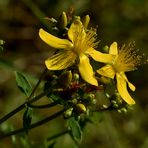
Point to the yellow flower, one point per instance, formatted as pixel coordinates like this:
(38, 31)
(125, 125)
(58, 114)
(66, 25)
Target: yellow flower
(80, 45)
(126, 59)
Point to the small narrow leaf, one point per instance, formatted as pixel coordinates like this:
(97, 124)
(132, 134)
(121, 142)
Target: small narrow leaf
(57, 99)
(23, 84)
(27, 117)
(75, 129)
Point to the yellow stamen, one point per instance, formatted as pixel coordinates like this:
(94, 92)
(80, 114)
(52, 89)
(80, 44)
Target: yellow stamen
(127, 59)
(84, 40)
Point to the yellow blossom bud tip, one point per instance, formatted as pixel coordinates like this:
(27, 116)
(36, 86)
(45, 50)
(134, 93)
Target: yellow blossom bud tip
(85, 20)
(80, 108)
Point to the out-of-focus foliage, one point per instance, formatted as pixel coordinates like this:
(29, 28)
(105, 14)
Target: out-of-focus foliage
(121, 21)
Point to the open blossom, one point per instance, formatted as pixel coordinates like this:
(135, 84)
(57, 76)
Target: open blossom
(79, 45)
(126, 60)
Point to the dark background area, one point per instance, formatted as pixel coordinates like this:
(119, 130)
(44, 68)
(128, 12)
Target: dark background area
(122, 21)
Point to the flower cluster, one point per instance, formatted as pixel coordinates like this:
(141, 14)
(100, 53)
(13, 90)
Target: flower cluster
(77, 48)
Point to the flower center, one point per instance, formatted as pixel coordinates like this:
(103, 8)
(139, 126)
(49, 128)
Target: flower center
(84, 40)
(127, 59)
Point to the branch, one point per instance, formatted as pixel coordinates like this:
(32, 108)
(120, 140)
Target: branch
(28, 99)
(33, 125)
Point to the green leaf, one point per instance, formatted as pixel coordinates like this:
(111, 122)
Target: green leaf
(76, 132)
(57, 99)
(27, 117)
(23, 84)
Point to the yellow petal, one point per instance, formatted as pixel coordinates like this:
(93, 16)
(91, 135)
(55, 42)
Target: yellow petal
(107, 71)
(60, 60)
(86, 70)
(122, 89)
(76, 30)
(54, 41)
(99, 56)
(113, 49)
(130, 85)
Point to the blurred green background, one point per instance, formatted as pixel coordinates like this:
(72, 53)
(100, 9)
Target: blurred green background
(121, 21)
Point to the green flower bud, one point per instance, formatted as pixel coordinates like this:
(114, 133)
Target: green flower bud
(113, 102)
(65, 79)
(85, 20)
(106, 48)
(73, 101)
(76, 77)
(68, 112)
(119, 111)
(123, 110)
(80, 108)
(89, 98)
(115, 105)
(91, 95)
(118, 98)
(2, 42)
(62, 22)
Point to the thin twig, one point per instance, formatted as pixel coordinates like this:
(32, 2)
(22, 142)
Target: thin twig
(39, 81)
(33, 125)
(43, 106)
(28, 100)
(22, 106)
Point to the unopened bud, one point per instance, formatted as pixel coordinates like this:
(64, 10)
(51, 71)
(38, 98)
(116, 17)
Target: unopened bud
(2, 42)
(73, 101)
(123, 110)
(106, 48)
(113, 102)
(62, 22)
(76, 77)
(118, 98)
(65, 79)
(91, 95)
(68, 112)
(80, 108)
(115, 105)
(85, 21)
(89, 98)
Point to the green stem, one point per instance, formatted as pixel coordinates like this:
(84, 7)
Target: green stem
(33, 125)
(28, 100)
(21, 107)
(57, 135)
(42, 106)
(39, 81)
